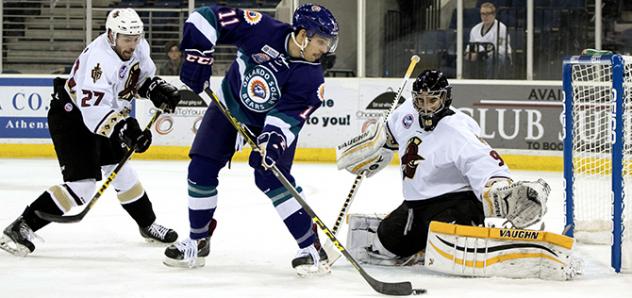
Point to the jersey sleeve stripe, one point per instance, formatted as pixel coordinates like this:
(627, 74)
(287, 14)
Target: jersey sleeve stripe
(106, 125)
(283, 126)
(205, 22)
(241, 62)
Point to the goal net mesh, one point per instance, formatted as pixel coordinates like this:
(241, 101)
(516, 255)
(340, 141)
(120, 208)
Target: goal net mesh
(592, 153)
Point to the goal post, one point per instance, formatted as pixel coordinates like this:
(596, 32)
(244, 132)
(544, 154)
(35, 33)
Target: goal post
(598, 152)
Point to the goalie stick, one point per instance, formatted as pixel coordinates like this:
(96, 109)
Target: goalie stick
(359, 178)
(398, 288)
(79, 216)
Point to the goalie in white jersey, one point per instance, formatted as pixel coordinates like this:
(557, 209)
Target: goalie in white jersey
(90, 126)
(449, 174)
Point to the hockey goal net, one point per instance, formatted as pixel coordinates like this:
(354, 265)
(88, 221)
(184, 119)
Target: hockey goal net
(598, 152)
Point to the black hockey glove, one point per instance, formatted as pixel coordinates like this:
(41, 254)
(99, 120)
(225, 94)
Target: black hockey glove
(272, 145)
(128, 132)
(160, 92)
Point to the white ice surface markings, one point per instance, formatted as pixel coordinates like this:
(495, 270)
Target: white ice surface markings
(104, 255)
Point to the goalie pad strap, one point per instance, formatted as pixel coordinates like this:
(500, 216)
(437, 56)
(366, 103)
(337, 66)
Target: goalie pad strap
(479, 251)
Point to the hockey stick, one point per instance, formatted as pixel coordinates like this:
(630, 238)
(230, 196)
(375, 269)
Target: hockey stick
(399, 288)
(360, 177)
(79, 216)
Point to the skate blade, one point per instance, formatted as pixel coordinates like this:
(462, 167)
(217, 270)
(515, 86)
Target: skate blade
(154, 242)
(307, 271)
(199, 262)
(13, 248)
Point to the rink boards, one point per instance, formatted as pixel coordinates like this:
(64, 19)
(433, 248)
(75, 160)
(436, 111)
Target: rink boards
(520, 118)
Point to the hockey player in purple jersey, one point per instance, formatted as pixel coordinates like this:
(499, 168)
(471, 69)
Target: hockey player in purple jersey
(273, 86)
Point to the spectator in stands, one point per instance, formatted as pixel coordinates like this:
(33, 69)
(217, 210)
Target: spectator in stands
(172, 66)
(489, 40)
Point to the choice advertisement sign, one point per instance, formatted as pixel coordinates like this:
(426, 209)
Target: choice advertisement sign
(512, 114)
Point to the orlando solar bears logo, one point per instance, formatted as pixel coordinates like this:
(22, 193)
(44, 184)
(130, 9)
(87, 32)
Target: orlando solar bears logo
(260, 91)
(252, 17)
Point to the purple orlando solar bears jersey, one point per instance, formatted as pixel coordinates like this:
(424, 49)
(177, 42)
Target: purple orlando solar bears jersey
(264, 88)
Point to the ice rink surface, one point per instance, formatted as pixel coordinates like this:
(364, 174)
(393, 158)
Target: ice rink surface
(251, 250)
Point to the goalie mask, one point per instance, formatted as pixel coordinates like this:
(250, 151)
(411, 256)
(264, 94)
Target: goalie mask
(432, 97)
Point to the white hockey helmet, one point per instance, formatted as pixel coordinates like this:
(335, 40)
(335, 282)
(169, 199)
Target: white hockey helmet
(123, 21)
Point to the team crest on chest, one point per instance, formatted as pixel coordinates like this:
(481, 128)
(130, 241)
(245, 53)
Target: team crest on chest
(411, 158)
(96, 73)
(252, 17)
(260, 91)
(129, 89)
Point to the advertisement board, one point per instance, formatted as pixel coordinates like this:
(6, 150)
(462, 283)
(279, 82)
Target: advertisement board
(24, 103)
(512, 114)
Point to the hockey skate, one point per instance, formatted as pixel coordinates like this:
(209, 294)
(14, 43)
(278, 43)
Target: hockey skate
(158, 233)
(190, 253)
(311, 261)
(17, 238)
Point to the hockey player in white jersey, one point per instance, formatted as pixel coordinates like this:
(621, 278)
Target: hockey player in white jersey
(90, 126)
(450, 175)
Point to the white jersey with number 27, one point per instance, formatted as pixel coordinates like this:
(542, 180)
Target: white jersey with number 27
(102, 85)
(451, 158)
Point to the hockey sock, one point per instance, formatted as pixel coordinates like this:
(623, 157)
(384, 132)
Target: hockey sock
(295, 218)
(43, 203)
(141, 211)
(202, 205)
(202, 190)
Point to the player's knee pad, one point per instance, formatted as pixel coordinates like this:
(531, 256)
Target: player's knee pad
(71, 194)
(265, 179)
(128, 187)
(126, 178)
(204, 171)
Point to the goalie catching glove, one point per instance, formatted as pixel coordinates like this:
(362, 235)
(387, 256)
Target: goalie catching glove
(160, 93)
(522, 203)
(365, 154)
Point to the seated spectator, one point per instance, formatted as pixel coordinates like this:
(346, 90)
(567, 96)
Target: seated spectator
(489, 39)
(172, 66)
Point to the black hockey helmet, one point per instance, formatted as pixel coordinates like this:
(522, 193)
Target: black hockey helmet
(432, 96)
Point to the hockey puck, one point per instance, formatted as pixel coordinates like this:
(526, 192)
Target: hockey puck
(419, 291)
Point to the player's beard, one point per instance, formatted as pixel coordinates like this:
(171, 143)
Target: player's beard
(127, 54)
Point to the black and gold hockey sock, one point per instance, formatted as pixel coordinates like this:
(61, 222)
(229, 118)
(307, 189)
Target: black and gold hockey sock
(141, 211)
(43, 203)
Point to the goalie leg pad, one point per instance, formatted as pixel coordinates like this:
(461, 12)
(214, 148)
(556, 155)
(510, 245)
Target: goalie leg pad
(364, 245)
(485, 252)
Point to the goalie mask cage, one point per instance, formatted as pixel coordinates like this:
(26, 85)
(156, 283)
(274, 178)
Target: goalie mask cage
(598, 152)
